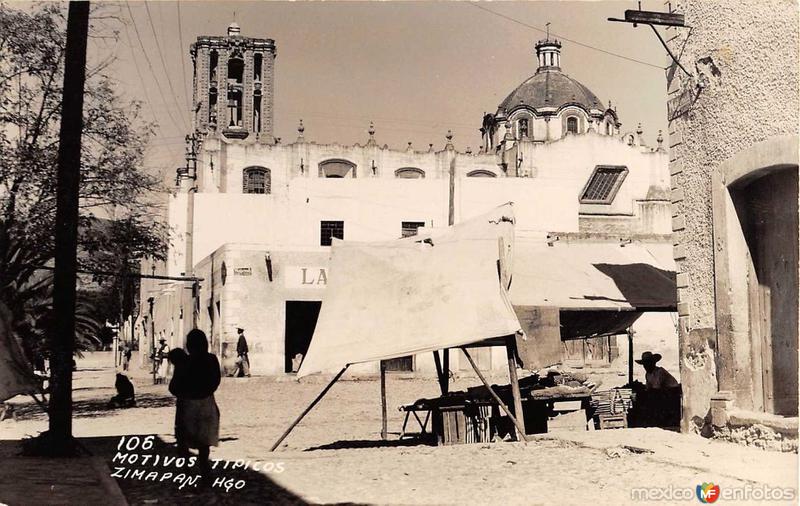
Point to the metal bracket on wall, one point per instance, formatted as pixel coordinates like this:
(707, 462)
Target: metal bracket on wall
(652, 18)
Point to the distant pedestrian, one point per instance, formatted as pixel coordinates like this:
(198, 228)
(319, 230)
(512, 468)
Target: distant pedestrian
(126, 357)
(160, 361)
(242, 358)
(195, 379)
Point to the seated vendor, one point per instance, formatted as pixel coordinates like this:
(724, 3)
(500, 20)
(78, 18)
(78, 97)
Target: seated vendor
(657, 378)
(658, 402)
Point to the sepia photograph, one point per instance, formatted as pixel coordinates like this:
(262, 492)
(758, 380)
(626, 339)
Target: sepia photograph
(399, 252)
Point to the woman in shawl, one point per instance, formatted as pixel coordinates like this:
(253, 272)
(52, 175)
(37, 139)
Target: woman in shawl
(194, 382)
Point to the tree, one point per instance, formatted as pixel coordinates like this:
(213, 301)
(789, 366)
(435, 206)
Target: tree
(113, 181)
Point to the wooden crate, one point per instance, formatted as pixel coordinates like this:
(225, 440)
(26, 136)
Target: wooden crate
(462, 425)
(573, 420)
(619, 421)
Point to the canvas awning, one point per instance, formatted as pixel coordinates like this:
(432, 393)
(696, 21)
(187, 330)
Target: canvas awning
(590, 276)
(438, 290)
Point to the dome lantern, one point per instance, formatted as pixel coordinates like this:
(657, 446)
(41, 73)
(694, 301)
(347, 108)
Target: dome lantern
(548, 53)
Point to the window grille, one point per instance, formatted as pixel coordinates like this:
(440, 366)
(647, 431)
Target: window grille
(330, 229)
(604, 184)
(256, 180)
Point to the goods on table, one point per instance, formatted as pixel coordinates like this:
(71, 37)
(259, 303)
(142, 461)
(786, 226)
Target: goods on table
(611, 407)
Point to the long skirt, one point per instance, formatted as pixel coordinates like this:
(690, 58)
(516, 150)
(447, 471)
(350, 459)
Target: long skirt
(197, 422)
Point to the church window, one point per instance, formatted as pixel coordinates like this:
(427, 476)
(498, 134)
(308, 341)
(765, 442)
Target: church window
(337, 169)
(257, 59)
(604, 184)
(256, 180)
(481, 173)
(572, 125)
(409, 173)
(328, 230)
(257, 111)
(409, 228)
(608, 128)
(522, 126)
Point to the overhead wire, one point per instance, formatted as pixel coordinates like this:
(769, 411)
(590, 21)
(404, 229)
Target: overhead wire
(183, 60)
(150, 66)
(163, 63)
(578, 43)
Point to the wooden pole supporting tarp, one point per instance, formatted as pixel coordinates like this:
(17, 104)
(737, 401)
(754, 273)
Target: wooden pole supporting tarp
(630, 356)
(309, 408)
(511, 353)
(437, 360)
(520, 428)
(445, 371)
(384, 422)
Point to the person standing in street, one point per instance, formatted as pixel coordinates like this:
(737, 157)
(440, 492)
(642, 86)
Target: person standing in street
(242, 360)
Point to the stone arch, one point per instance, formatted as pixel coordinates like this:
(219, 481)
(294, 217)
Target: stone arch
(755, 241)
(481, 173)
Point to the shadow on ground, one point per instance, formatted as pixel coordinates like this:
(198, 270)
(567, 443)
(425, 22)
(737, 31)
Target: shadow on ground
(355, 444)
(91, 408)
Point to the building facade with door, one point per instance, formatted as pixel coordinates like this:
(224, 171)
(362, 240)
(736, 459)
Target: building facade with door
(734, 167)
(260, 215)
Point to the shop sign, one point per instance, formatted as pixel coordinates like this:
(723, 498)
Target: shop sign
(242, 271)
(306, 277)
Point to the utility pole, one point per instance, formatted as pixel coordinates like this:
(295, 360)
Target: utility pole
(62, 339)
(189, 173)
(150, 302)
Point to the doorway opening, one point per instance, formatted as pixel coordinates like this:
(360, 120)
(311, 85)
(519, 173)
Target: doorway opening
(767, 210)
(301, 320)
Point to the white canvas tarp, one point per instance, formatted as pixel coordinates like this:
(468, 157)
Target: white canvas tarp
(391, 299)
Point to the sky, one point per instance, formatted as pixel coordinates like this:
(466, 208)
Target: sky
(416, 69)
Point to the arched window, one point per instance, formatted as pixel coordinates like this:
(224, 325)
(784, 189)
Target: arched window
(409, 173)
(337, 168)
(522, 128)
(256, 180)
(572, 125)
(608, 128)
(481, 173)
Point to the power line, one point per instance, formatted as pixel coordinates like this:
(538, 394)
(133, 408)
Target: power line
(163, 63)
(141, 78)
(588, 46)
(150, 65)
(183, 59)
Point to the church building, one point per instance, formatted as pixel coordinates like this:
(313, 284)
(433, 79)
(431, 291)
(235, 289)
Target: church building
(254, 217)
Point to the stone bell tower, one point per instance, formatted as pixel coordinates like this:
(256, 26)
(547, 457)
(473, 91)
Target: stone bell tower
(234, 80)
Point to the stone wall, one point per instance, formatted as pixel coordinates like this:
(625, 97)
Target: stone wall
(743, 89)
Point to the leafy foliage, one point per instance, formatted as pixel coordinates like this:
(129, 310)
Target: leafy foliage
(113, 182)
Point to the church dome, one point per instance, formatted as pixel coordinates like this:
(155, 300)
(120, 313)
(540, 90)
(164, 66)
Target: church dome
(549, 87)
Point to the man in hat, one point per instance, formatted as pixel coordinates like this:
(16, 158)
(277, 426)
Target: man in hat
(657, 378)
(160, 361)
(242, 362)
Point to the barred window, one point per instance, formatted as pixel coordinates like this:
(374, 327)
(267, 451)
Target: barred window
(330, 229)
(572, 125)
(604, 184)
(409, 228)
(256, 180)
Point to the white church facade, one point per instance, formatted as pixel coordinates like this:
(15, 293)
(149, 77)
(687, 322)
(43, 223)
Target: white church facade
(257, 218)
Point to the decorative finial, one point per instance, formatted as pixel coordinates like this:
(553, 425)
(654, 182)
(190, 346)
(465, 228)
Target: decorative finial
(609, 104)
(469, 150)
(660, 139)
(639, 129)
(449, 135)
(409, 148)
(371, 130)
(300, 127)
(548, 29)
(430, 148)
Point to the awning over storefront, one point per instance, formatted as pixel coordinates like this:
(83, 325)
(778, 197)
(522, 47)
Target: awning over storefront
(590, 277)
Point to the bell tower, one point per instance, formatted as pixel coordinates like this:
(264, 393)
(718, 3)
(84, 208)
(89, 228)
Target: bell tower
(234, 80)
